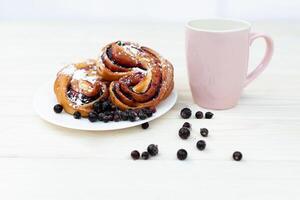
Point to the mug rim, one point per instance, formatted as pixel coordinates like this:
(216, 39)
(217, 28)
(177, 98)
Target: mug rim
(246, 24)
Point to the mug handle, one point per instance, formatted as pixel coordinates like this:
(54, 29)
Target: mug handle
(266, 59)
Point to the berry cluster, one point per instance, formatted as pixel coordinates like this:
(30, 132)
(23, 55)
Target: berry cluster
(152, 150)
(186, 113)
(184, 133)
(106, 111)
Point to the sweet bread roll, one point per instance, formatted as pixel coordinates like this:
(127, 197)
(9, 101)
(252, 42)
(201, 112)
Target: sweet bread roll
(140, 76)
(78, 86)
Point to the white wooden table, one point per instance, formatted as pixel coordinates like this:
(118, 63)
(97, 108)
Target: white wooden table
(41, 161)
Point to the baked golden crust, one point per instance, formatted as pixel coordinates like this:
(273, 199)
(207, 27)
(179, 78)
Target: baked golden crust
(140, 76)
(78, 86)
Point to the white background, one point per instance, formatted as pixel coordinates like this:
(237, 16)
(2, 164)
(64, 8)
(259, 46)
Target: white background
(154, 10)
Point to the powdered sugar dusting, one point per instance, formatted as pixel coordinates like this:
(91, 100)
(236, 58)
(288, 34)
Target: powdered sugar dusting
(76, 100)
(82, 74)
(68, 70)
(131, 49)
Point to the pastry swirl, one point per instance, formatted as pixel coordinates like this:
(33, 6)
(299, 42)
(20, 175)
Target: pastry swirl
(140, 76)
(78, 86)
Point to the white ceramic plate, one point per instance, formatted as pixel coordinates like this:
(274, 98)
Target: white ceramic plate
(45, 99)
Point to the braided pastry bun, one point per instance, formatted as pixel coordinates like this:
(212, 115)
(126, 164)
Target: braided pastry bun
(140, 77)
(78, 86)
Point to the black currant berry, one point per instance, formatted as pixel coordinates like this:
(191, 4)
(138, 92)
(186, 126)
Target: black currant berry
(152, 149)
(148, 112)
(142, 115)
(77, 115)
(93, 116)
(132, 115)
(186, 125)
(145, 155)
(184, 133)
(201, 145)
(182, 154)
(135, 155)
(117, 116)
(204, 132)
(106, 106)
(97, 107)
(199, 115)
(237, 156)
(101, 116)
(185, 113)
(145, 125)
(58, 108)
(124, 115)
(106, 118)
(209, 115)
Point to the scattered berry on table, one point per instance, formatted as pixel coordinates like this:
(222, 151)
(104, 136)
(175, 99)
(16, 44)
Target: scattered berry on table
(58, 108)
(145, 125)
(92, 116)
(185, 113)
(182, 154)
(152, 149)
(135, 155)
(237, 156)
(209, 115)
(145, 155)
(186, 125)
(201, 145)
(199, 115)
(77, 115)
(204, 132)
(184, 133)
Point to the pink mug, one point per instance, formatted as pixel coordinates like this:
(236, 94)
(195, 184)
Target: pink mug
(217, 52)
